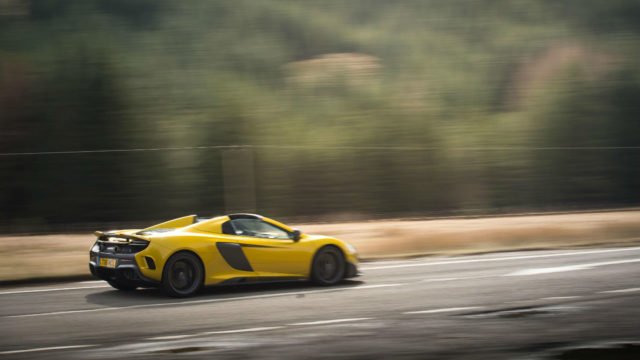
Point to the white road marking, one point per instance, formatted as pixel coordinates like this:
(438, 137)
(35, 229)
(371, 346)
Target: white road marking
(168, 337)
(620, 291)
(218, 332)
(51, 289)
(434, 311)
(45, 349)
(324, 322)
(458, 278)
(442, 279)
(547, 270)
(384, 262)
(560, 297)
(73, 311)
(241, 330)
(364, 268)
(204, 301)
(363, 287)
(537, 271)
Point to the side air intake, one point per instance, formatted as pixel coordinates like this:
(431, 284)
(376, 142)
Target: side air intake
(150, 263)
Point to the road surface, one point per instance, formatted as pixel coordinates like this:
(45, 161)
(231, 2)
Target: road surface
(560, 304)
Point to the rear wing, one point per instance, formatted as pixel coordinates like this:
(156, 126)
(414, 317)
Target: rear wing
(175, 223)
(109, 236)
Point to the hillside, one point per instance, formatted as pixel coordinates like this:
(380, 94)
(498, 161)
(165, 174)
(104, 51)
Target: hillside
(367, 107)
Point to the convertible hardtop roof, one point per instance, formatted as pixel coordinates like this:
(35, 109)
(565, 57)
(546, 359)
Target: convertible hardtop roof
(244, 216)
(197, 219)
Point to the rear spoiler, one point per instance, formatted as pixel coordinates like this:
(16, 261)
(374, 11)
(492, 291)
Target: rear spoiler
(105, 236)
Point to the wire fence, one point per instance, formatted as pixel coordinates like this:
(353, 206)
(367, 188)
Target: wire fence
(51, 191)
(305, 147)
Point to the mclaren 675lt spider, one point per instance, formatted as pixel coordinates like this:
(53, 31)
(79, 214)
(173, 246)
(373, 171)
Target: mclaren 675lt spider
(182, 255)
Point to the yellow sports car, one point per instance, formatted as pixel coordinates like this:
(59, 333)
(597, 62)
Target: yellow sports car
(186, 253)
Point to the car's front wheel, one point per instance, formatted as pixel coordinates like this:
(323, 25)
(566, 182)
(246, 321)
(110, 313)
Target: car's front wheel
(328, 266)
(182, 275)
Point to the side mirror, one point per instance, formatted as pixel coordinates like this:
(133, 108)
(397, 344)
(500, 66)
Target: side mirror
(296, 234)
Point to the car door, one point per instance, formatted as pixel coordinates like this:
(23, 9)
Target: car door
(270, 249)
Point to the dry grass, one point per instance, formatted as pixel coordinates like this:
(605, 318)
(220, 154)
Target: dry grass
(24, 257)
(454, 236)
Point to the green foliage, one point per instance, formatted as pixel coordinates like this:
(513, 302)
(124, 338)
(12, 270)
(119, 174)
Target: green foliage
(501, 97)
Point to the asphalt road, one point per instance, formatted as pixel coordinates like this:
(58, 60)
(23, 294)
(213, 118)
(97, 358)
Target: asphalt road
(519, 305)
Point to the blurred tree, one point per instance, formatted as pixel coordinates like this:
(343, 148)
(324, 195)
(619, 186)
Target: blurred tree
(379, 108)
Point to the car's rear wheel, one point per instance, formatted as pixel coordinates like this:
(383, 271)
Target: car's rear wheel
(121, 285)
(182, 275)
(328, 266)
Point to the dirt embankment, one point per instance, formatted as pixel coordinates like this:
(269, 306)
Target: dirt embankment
(42, 256)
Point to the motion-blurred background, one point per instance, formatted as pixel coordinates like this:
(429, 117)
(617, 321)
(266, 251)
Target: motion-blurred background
(343, 109)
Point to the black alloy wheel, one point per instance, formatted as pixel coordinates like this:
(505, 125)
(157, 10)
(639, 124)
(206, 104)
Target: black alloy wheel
(182, 275)
(328, 266)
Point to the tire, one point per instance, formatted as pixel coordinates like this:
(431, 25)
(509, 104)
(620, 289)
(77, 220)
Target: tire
(328, 266)
(121, 285)
(182, 275)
